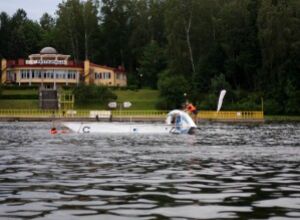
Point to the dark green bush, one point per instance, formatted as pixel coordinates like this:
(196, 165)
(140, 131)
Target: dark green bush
(90, 93)
(132, 87)
(172, 89)
(273, 107)
(218, 83)
(65, 87)
(208, 102)
(233, 100)
(20, 96)
(21, 87)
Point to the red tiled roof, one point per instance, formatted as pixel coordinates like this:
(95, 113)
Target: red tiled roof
(101, 66)
(117, 70)
(71, 64)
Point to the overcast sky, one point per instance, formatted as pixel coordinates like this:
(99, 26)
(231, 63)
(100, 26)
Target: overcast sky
(34, 8)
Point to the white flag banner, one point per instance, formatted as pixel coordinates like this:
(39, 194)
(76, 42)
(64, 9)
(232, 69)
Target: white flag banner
(221, 97)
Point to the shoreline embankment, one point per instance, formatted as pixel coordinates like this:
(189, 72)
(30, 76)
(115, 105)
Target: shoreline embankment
(266, 119)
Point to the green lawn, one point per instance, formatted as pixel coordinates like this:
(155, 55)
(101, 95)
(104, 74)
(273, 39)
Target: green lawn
(19, 103)
(144, 99)
(142, 94)
(89, 106)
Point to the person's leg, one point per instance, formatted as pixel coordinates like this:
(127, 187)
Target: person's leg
(195, 116)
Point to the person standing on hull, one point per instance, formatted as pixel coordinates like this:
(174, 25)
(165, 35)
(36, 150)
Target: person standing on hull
(192, 110)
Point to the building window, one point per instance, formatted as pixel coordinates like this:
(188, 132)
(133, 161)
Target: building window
(49, 74)
(23, 74)
(10, 76)
(98, 75)
(71, 74)
(106, 75)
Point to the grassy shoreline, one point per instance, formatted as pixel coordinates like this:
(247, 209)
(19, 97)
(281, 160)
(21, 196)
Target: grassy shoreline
(282, 118)
(144, 99)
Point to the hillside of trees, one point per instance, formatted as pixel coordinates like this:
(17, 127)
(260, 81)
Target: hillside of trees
(193, 47)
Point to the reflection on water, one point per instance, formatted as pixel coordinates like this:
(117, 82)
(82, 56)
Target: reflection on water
(225, 171)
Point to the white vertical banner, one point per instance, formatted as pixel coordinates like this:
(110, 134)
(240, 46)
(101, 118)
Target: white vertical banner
(221, 97)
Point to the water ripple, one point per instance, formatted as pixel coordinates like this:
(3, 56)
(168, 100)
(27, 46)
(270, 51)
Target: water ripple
(223, 172)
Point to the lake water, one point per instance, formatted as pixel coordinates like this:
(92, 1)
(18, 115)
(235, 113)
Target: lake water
(226, 171)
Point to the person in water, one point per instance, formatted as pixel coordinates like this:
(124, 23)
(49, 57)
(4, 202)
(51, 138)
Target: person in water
(191, 109)
(53, 130)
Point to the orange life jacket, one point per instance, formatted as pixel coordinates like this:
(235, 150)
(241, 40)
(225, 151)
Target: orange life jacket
(191, 107)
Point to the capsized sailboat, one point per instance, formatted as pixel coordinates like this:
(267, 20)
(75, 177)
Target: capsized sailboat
(177, 122)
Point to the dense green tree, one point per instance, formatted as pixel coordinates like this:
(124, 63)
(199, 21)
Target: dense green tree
(279, 35)
(152, 62)
(240, 43)
(249, 46)
(70, 28)
(172, 89)
(48, 25)
(77, 26)
(100, 94)
(47, 22)
(178, 25)
(90, 18)
(20, 35)
(292, 105)
(115, 17)
(209, 66)
(4, 35)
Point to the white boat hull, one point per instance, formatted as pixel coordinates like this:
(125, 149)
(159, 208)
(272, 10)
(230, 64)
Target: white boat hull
(177, 122)
(119, 128)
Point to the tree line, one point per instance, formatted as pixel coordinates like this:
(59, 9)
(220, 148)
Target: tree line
(188, 49)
